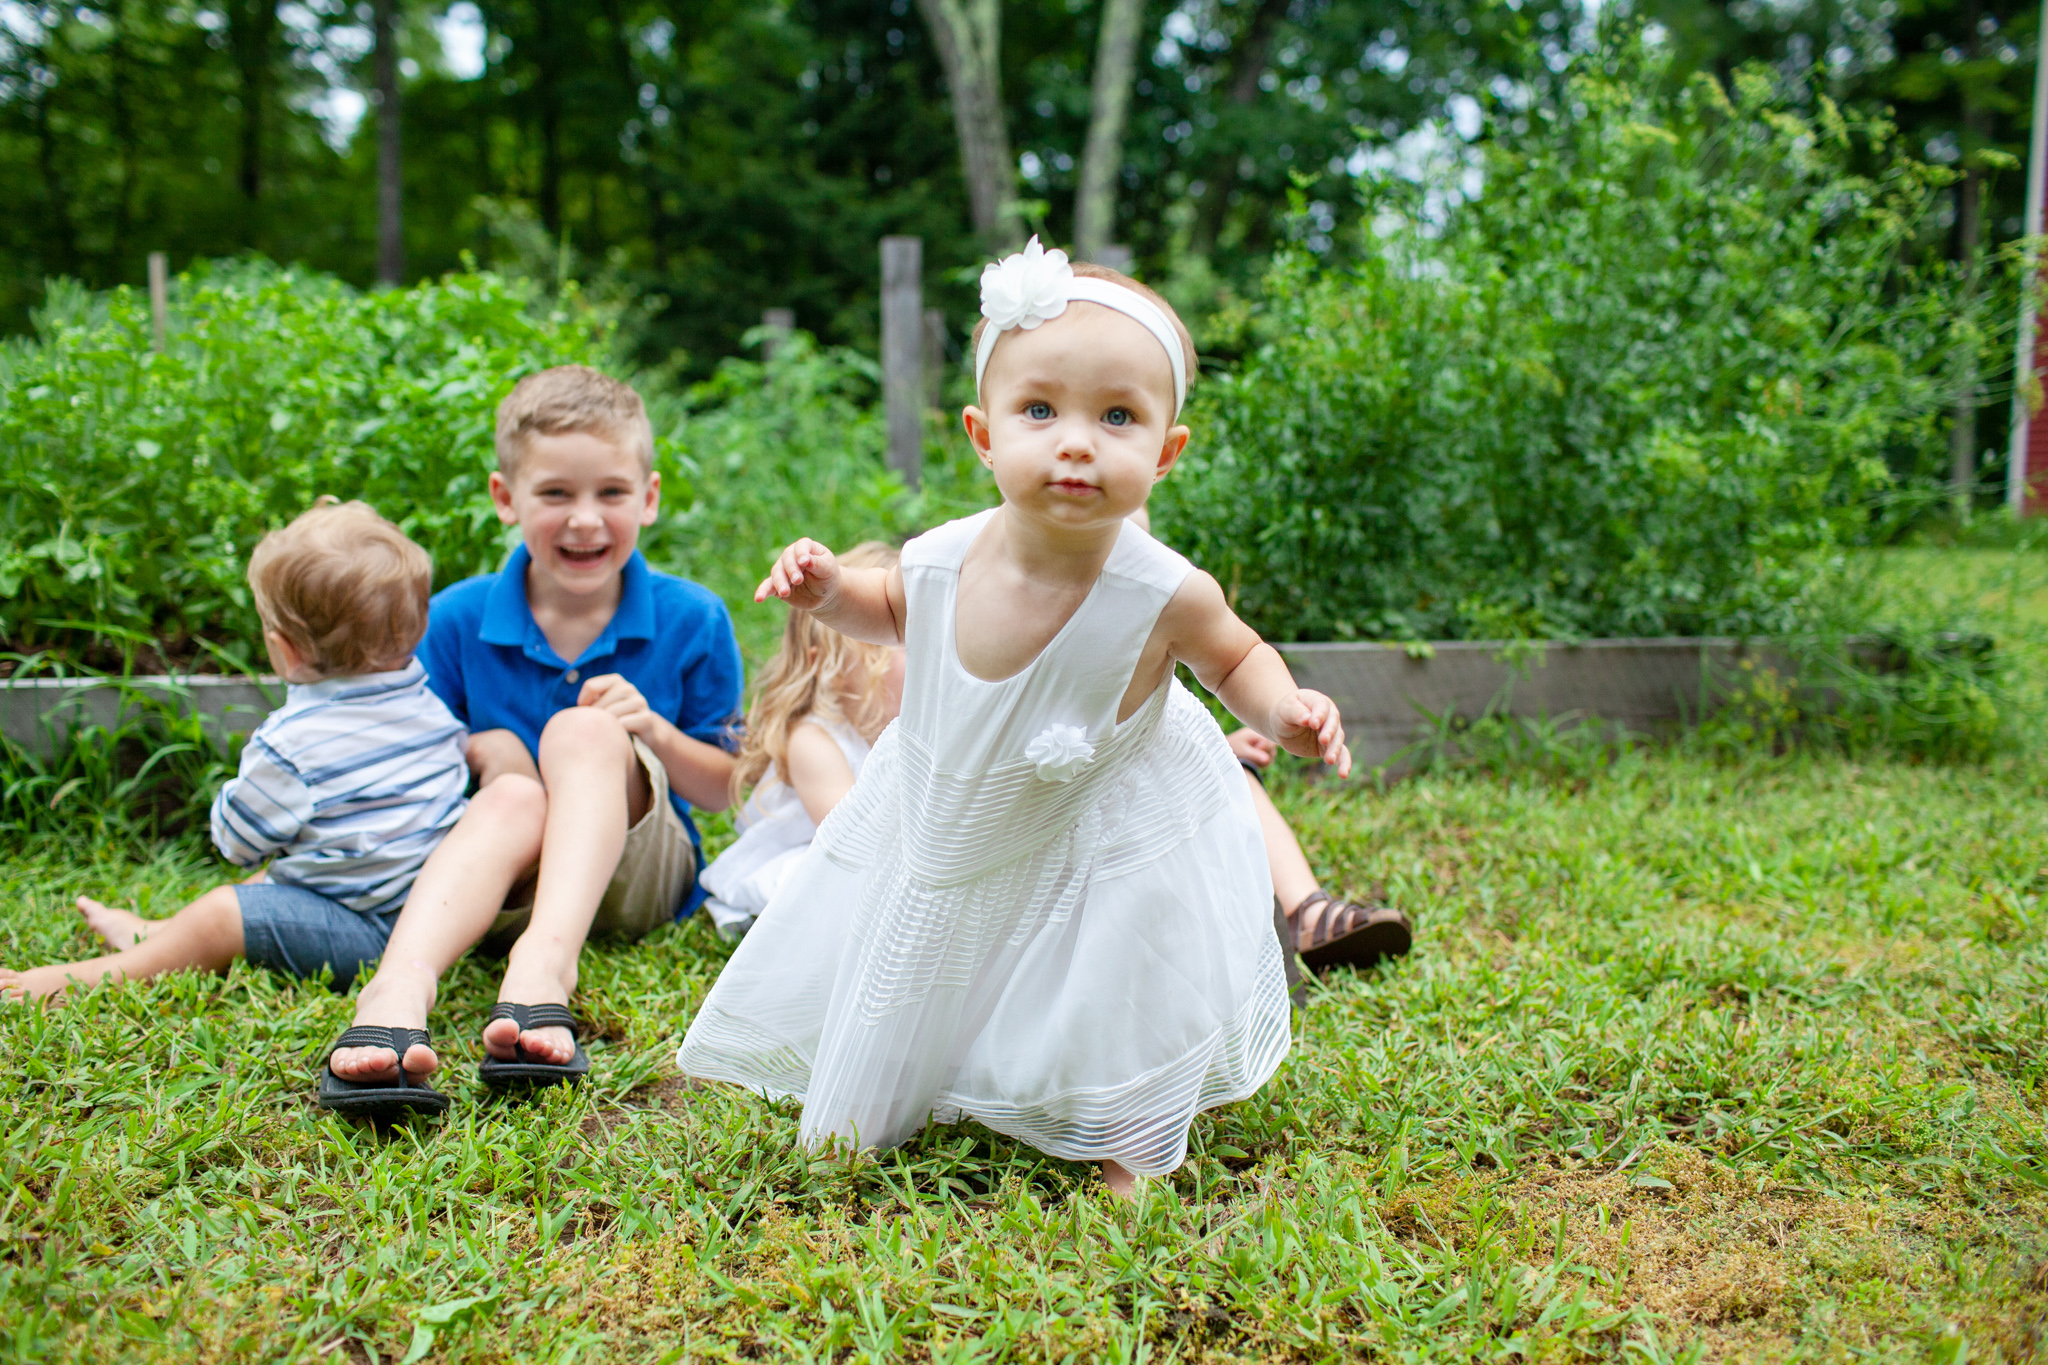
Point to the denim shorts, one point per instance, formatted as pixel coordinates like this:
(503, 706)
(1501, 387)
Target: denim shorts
(293, 930)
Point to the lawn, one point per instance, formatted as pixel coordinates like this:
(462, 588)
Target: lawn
(1748, 1060)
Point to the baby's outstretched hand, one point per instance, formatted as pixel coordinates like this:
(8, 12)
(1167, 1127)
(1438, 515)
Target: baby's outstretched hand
(1308, 723)
(804, 576)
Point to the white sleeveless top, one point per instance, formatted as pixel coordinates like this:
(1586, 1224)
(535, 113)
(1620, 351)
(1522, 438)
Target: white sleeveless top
(773, 829)
(1024, 911)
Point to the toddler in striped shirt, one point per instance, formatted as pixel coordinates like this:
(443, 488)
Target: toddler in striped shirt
(345, 790)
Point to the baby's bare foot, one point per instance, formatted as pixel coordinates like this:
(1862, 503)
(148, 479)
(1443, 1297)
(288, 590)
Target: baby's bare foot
(1122, 1182)
(42, 983)
(122, 929)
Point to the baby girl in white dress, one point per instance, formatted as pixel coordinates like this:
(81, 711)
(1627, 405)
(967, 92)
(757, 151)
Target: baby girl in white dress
(818, 707)
(1045, 903)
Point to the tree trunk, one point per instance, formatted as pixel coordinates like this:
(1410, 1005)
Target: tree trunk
(64, 234)
(1254, 46)
(548, 95)
(1116, 50)
(129, 155)
(252, 37)
(659, 226)
(968, 34)
(390, 166)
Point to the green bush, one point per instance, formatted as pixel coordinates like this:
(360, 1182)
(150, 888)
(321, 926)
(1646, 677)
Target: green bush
(1679, 346)
(134, 484)
(763, 453)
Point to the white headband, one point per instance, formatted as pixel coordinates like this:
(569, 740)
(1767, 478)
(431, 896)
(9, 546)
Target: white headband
(1036, 285)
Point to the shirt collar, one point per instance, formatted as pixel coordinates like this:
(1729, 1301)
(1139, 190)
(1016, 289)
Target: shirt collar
(348, 685)
(508, 620)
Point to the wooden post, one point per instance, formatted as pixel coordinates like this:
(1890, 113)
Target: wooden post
(780, 322)
(935, 357)
(159, 297)
(903, 353)
(2025, 363)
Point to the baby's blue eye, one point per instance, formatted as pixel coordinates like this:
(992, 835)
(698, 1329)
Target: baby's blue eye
(1038, 412)
(1118, 417)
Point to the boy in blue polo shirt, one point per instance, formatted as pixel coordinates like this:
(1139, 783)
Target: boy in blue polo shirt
(612, 686)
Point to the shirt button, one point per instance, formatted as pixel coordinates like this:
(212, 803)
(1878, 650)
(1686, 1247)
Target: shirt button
(571, 675)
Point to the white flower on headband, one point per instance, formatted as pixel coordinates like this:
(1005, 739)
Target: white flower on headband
(1060, 751)
(1025, 289)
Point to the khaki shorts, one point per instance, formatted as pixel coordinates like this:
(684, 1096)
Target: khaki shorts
(656, 871)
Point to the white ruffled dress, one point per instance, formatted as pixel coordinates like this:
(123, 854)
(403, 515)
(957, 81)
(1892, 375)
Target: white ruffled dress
(774, 830)
(1024, 912)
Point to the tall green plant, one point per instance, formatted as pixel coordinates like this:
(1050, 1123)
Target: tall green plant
(1678, 346)
(134, 483)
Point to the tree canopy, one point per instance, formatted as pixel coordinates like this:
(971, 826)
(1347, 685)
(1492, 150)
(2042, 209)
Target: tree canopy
(721, 158)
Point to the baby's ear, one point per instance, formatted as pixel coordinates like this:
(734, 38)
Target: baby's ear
(1169, 453)
(976, 422)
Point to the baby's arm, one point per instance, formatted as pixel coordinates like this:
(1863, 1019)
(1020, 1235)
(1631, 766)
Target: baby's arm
(866, 604)
(1249, 676)
(262, 808)
(818, 772)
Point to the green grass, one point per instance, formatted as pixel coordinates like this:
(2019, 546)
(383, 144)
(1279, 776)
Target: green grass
(1736, 1060)
(1992, 584)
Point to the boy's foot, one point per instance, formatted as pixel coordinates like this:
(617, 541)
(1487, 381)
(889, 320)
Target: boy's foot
(1123, 1182)
(528, 985)
(393, 999)
(41, 983)
(122, 929)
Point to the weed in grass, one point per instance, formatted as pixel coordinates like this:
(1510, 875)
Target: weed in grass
(1700, 1060)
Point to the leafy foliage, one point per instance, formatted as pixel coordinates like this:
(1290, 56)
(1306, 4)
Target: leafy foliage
(1678, 348)
(133, 484)
(763, 453)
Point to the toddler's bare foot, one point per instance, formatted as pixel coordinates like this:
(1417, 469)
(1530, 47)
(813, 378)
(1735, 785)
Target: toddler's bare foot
(122, 929)
(530, 980)
(395, 997)
(42, 983)
(1122, 1183)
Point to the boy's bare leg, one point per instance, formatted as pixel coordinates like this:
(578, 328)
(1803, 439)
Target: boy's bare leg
(596, 792)
(1293, 880)
(207, 933)
(451, 906)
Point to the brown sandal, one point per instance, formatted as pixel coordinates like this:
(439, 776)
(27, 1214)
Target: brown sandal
(1290, 961)
(1348, 935)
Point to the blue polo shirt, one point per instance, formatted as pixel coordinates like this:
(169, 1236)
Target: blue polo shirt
(487, 659)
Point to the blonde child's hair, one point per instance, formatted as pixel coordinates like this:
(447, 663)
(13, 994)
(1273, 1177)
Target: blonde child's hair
(345, 586)
(1088, 270)
(802, 682)
(572, 398)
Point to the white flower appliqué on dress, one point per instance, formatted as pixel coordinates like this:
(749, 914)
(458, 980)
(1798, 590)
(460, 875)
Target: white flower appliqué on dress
(1060, 751)
(1025, 289)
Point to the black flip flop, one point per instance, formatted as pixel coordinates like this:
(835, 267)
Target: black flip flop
(379, 1098)
(499, 1074)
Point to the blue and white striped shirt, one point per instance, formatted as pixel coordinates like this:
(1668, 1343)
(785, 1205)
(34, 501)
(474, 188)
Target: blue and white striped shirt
(348, 787)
